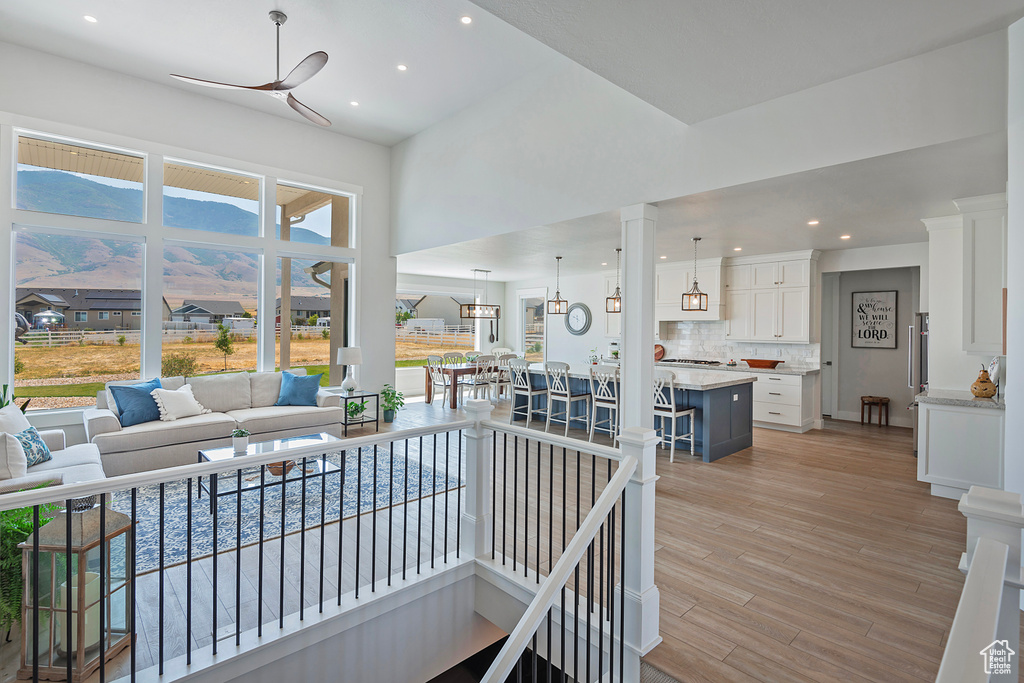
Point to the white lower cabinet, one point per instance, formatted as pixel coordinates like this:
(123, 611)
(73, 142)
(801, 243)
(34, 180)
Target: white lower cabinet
(784, 402)
(959, 447)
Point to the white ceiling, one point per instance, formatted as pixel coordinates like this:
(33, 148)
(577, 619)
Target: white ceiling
(695, 59)
(451, 65)
(878, 202)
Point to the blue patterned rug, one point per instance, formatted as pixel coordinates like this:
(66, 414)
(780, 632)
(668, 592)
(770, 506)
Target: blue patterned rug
(414, 480)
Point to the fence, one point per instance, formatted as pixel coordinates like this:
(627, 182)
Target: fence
(452, 335)
(172, 332)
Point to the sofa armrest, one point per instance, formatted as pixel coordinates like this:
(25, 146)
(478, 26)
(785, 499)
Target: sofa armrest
(326, 398)
(31, 481)
(54, 439)
(99, 421)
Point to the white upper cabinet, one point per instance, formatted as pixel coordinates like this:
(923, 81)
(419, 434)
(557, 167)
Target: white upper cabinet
(737, 277)
(795, 273)
(764, 275)
(768, 298)
(672, 279)
(737, 314)
(794, 314)
(763, 310)
(984, 272)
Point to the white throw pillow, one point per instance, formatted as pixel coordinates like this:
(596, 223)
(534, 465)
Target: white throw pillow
(177, 404)
(12, 420)
(13, 462)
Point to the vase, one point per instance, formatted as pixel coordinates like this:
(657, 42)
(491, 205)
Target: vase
(983, 387)
(240, 443)
(389, 415)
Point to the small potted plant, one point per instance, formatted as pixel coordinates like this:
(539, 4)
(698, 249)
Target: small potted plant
(615, 355)
(390, 400)
(240, 440)
(593, 357)
(355, 411)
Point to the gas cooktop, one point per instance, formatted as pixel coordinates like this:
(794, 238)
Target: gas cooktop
(690, 361)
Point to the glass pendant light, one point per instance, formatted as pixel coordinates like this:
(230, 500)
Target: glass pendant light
(558, 305)
(695, 300)
(613, 304)
(481, 311)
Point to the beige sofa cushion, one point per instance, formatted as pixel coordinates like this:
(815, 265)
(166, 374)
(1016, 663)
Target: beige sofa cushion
(165, 382)
(158, 433)
(13, 420)
(13, 462)
(266, 387)
(280, 418)
(221, 393)
(75, 464)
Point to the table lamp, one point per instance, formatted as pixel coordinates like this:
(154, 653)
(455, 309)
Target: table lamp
(349, 356)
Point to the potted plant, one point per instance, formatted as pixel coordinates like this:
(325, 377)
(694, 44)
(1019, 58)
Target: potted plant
(594, 357)
(7, 398)
(240, 440)
(15, 527)
(390, 400)
(355, 411)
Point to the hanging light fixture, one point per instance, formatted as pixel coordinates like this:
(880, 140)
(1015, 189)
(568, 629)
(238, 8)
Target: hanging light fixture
(613, 304)
(481, 311)
(695, 300)
(558, 305)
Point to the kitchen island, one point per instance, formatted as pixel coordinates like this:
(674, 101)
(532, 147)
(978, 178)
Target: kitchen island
(723, 401)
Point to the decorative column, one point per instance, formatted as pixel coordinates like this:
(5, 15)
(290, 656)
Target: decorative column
(152, 303)
(476, 516)
(637, 348)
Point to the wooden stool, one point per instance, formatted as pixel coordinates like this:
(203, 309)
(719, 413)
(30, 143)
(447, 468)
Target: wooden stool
(870, 401)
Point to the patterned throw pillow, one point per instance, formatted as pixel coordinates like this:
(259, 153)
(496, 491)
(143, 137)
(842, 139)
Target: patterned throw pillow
(36, 451)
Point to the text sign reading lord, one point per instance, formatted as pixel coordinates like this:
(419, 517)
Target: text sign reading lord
(874, 320)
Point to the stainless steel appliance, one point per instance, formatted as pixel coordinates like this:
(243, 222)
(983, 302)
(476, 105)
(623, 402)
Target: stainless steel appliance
(917, 364)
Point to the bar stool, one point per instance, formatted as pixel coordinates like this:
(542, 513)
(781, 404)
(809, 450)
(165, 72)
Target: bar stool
(604, 388)
(665, 406)
(557, 376)
(870, 402)
(519, 370)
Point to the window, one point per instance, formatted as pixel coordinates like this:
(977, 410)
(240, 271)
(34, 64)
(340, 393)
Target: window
(103, 315)
(304, 287)
(202, 198)
(117, 313)
(429, 325)
(136, 314)
(55, 273)
(531, 315)
(312, 217)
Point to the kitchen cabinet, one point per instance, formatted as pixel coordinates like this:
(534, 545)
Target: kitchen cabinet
(737, 314)
(961, 442)
(764, 305)
(984, 258)
(672, 279)
(768, 298)
(737, 277)
(784, 402)
(764, 275)
(794, 309)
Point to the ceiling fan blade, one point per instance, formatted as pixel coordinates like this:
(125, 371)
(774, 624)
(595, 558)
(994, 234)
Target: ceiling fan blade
(226, 86)
(306, 111)
(305, 70)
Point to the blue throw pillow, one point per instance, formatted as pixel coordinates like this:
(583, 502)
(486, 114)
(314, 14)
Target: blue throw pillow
(298, 390)
(135, 402)
(35, 448)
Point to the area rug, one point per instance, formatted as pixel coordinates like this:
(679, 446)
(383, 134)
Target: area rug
(395, 484)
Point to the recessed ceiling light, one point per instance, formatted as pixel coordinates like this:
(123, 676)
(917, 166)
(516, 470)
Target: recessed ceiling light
(467, 20)
(737, 248)
(664, 257)
(604, 264)
(402, 67)
(812, 222)
(354, 103)
(91, 20)
(844, 237)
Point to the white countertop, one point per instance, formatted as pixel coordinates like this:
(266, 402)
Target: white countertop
(963, 399)
(686, 378)
(782, 369)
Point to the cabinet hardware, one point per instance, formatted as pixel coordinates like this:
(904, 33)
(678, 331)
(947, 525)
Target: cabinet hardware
(771, 413)
(774, 393)
(775, 379)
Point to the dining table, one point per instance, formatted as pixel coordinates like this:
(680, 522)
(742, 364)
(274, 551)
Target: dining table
(453, 372)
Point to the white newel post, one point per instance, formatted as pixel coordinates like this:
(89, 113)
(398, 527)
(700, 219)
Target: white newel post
(476, 516)
(637, 347)
(998, 515)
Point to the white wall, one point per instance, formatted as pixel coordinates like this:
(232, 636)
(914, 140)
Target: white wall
(875, 372)
(70, 98)
(913, 255)
(1014, 451)
(563, 142)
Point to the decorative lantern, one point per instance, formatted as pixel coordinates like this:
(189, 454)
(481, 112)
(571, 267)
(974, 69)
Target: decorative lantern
(695, 300)
(558, 305)
(78, 601)
(480, 311)
(613, 303)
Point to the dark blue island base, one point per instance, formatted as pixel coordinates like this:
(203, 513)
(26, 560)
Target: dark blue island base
(724, 416)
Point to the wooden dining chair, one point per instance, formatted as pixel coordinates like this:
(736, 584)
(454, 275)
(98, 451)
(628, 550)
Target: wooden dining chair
(454, 357)
(503, 376)
(559, 389)
(437, 377)
(482, 379)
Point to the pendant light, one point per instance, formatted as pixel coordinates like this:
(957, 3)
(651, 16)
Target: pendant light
(695, 300)
(481, 311)
(613, 304)
(558, 305)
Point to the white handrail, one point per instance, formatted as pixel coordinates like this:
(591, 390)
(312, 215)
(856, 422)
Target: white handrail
(10, 501)
(518, 640)
(555, 440)
(977, 615)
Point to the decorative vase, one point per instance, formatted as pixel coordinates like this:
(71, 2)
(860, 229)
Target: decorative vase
(389, 415)
(984, 387)
(240, 443)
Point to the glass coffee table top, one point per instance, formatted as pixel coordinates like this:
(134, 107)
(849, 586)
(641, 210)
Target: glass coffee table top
(282, 446)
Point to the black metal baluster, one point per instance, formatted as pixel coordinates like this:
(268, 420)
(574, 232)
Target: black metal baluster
(458, 504)
(533, 648)
(341, 522)
(134, 567)
(538, 511)
(160, 576)
(259, 578)
(69, 572)
(433, 504)
(590, 598)
(550, 671)
(302, 545)
(238, 560)
(405, 511)
(600, 608)
(551, 510)
(280, 598)
(105, 584)
(188, 567)
(526, 509)
(35, 593)
(504, 500)
(323, 520)
(419, 511)
(515, 501)
(565, 479)
(444, 488)
(494, 494)
(622, 591)
(373, 527)
(576, 589)
(391, 503)
(359, 510)
(611, 592)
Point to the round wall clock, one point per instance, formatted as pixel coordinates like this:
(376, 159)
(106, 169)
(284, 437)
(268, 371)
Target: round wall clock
(577, 320)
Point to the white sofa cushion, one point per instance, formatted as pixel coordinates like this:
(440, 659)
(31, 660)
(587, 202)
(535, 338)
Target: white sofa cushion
(13, 421)
(171, 383)
(280, 418)
(154, 434)
(75, 464)
(266, 387)
(174, 405)
(221, 393)
(13, 463)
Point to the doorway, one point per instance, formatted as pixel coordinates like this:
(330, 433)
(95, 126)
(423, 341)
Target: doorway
(829, 344)
(532, 337)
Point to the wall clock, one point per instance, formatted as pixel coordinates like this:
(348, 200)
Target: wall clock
(577, 320)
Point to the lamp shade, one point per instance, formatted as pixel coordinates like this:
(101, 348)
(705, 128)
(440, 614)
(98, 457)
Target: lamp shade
(350, 355)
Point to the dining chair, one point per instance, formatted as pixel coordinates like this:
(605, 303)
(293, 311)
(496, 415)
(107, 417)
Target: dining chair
(557, 376)
(666, 406)
(502, 376)
(604, 387)
(454, 357)
(482, 379)
(519, 369)
(500, 351)
(437, 377)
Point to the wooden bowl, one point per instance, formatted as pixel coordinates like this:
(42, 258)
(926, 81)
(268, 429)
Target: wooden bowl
(279, 469)
(761, 363)
(659, 352)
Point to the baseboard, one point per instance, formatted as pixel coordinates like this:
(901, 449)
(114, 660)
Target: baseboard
(895, 420)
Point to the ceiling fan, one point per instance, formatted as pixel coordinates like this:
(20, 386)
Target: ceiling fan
(280, 87)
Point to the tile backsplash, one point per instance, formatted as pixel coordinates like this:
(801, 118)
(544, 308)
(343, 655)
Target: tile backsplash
(707, 340)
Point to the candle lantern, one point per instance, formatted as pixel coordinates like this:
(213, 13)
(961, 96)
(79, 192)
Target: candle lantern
(78, 602)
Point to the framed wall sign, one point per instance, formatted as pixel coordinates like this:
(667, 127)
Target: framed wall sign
(874, 320)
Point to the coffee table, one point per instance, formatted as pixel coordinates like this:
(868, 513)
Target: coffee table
(316, 467)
